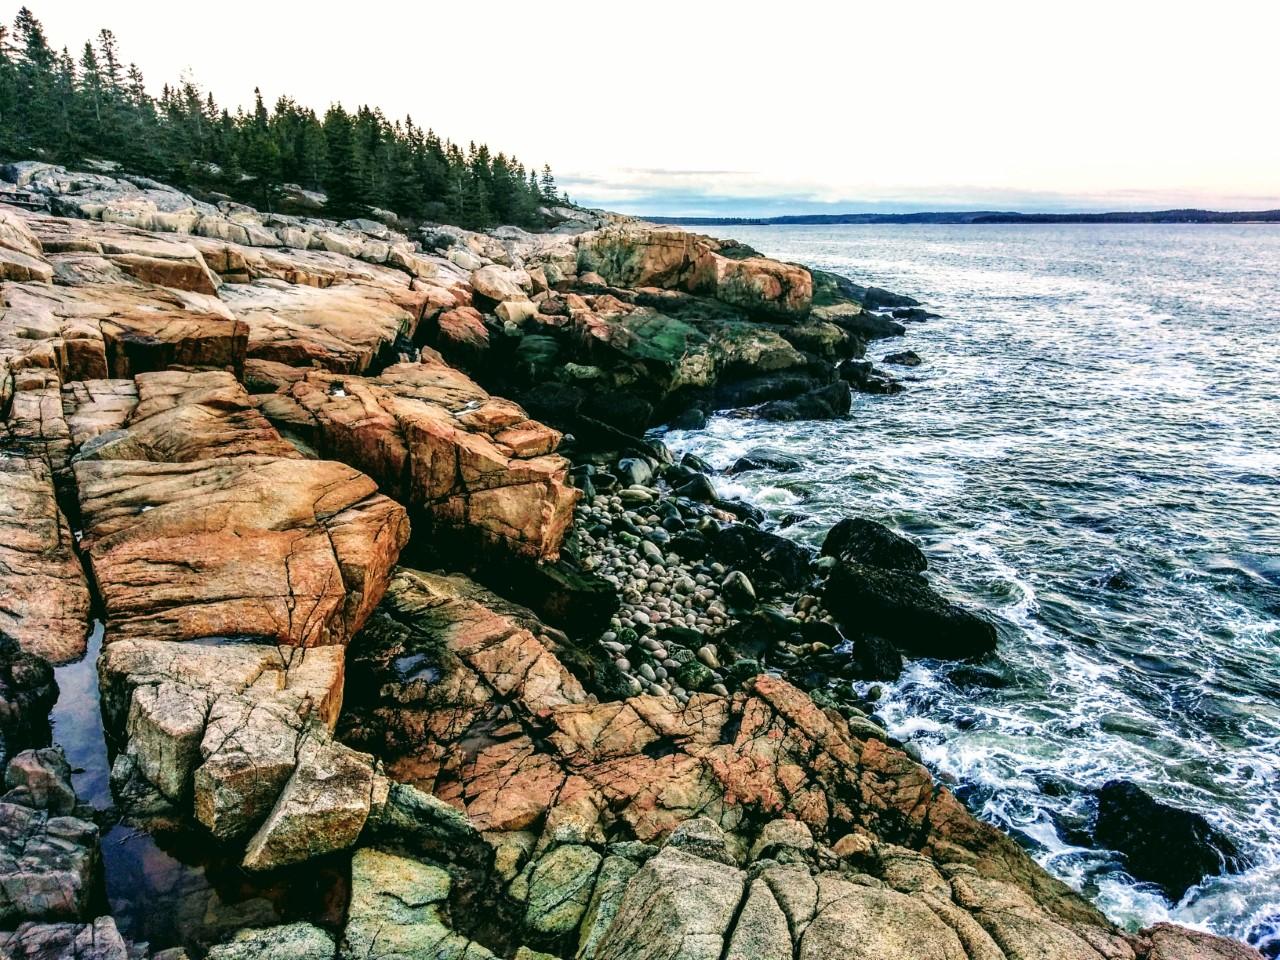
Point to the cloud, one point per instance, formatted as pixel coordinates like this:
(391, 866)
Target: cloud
(677, 192)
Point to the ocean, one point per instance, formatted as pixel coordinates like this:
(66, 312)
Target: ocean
(1089, 453)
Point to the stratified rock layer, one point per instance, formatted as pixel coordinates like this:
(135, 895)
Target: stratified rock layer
(459, 458)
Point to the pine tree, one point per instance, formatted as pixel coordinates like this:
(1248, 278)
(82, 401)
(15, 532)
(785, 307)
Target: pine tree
(65, 109)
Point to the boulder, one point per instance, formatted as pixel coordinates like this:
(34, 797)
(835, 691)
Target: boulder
(398, 909)
(461, 335)
(902, 608)
(863, 377)
(770, 561)
(497, 284)
(1161, 843)
(859, 540)
(825, 403)
(763, 458)
(323, 807)
(462, 461)
(677, 906)
(560, 885)
(904, 358)
(48, 856)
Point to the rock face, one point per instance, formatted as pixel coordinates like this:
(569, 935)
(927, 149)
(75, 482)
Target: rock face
(44, 606)
(21, 255)
(99, 940)
(277, 548)
(460, 459)
(674, 259)
(232, 572)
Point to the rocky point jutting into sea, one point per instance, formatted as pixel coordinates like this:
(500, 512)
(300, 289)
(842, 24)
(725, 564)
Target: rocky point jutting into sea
(410, 643)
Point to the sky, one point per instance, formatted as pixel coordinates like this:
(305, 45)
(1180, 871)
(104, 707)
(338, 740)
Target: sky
(750, 108)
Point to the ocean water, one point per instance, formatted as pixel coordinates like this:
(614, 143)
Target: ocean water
(1090, 453)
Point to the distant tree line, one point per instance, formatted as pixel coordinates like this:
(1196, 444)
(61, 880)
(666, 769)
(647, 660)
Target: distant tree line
(63, 109)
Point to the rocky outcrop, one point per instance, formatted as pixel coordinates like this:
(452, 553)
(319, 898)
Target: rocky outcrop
(643, 765)
(233, 403)
(21, 256)
(345, 327)
(232, 572)
(752, 826)
(647, 256)
(461, 460)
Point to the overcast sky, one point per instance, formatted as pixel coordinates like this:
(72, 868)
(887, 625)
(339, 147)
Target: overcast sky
(682, 106)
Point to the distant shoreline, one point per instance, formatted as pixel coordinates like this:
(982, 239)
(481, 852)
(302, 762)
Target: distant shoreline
(979, 217)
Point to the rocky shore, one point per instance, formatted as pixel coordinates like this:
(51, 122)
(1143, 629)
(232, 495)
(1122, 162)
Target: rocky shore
(395, 583)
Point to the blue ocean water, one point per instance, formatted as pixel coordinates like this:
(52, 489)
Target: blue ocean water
(1097, 400)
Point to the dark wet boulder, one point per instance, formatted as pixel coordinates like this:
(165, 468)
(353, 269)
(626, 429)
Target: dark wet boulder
(694, 462)
(912, 314)
(1162, 844)
(1118, 579)
(689, 545)
(777, 385)
(691, 419)
(877, 298)
(902, 608)
(759, 635)
(824, 403)
(742, 510)
(765, 458)
(992, 675)
(862, 376)
(698, 488)
(870, 326)
(860, 540)
(773, 563)
(634, 472)
(561, 593)
(904, 358)
(875, 658)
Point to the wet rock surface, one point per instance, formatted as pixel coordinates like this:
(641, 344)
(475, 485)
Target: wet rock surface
(1162, 844)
